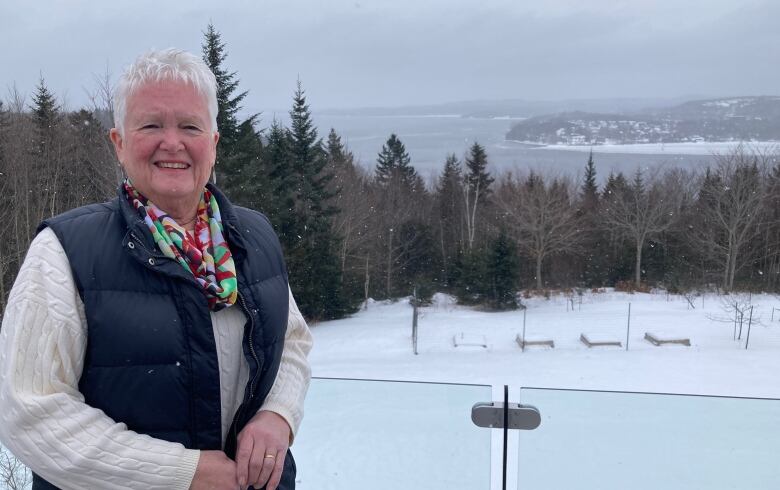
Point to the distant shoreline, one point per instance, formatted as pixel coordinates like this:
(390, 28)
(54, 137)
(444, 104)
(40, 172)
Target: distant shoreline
(703, 148)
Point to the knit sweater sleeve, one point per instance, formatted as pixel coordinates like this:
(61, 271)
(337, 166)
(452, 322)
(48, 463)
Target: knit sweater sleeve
(292, 382)
(44, 420)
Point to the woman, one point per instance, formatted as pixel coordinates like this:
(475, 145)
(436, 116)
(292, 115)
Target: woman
(152, 341)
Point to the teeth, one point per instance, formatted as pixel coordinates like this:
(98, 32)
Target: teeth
(171, 165)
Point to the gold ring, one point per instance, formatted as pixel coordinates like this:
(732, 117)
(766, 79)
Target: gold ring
(270, 456)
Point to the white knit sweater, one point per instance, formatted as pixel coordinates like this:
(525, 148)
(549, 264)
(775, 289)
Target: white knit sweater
(43, 418)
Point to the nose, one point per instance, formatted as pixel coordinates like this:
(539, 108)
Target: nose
(171, 141)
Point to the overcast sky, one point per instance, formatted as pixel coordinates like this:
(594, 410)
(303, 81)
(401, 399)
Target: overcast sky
(359, 53)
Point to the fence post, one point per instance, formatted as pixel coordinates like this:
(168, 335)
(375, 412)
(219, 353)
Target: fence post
(414, 322)
(628, 325)
(522, 346)
(750, 322)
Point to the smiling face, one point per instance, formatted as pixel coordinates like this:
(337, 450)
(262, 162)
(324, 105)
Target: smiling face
(168, 148)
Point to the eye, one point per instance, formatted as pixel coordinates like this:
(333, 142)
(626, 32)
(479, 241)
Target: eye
(150, 126)
(192, 127)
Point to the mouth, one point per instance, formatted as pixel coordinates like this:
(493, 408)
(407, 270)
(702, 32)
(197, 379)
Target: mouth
(172, 165)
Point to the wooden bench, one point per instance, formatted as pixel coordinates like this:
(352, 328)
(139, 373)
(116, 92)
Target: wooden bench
(599, 343)
(526, 343)
(463, 340)
(656, 341)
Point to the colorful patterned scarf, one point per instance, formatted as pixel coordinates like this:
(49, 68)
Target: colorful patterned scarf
(205, 254)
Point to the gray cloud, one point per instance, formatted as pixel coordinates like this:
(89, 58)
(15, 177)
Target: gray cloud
(361, 53)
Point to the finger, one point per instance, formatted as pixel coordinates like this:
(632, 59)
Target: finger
(269, 459)
(276, 476)
(256, 465)
(243, 453)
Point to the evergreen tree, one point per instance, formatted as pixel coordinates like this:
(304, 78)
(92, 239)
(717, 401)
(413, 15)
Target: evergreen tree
(477, 177)
(315, 273)
(501, 273)
(594, 265)
(308, 160)
(590, 191)
(449, 199)
(281, 202)
(478, 182)
(393, 162)
(618, 254)
(338, 156)
(46, 118)
(228, 102)
(238, 140)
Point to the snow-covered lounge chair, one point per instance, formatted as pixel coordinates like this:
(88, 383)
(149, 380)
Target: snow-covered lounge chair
(464, 340)
(653, 339)
(599, 342)
(523, 343)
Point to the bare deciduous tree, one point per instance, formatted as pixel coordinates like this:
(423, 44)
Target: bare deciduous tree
(644, 210)
(731, 208)
(542, 218)
(13, 474)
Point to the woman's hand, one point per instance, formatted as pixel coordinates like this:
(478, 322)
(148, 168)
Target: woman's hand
(262, 447)
(215, 471)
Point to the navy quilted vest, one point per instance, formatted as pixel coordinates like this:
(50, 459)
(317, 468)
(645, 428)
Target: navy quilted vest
(151, 359)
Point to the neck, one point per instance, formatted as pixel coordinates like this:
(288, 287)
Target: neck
(184, 213)
(188, 225)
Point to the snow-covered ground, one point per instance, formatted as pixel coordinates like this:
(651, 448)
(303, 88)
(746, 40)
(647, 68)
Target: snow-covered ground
(385, 435)
(703, 148)
(376, 344)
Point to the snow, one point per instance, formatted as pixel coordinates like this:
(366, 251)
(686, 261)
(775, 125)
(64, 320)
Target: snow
(376, 344)
(383, 435)
(701, 148)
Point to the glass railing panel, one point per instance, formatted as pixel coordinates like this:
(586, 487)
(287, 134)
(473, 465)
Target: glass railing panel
(384, 435)
(607, 440)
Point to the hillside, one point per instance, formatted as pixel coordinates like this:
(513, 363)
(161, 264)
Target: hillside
(725, 119)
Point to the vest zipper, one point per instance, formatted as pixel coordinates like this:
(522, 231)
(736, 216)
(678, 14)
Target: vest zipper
(257, 362)
(251, 344)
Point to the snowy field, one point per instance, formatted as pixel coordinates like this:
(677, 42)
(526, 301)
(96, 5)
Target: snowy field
(380, 435)
(703, 148)
(376, 344)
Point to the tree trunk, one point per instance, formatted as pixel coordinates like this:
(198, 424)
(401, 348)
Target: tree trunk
(732, 267)
(389, 262)
(443, 254)
(366, 284)
(638, 275)
(539, 271)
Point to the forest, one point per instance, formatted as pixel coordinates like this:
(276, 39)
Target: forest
(349, 233)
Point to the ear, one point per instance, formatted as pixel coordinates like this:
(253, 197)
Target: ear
(214, 147)
(119, 143)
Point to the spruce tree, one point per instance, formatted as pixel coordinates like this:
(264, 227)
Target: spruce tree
(477, 176)
(228, 102)
(46, 118)
(338, 155)
(590, 190)
(449, 200)
(393, 162)
(478, 182)
(618, 255)
(315, 273)
(281, 202)
(501, 273)
(238, 140)
(594, 264)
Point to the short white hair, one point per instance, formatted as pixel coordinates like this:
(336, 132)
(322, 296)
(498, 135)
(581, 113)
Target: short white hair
(165, 65)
